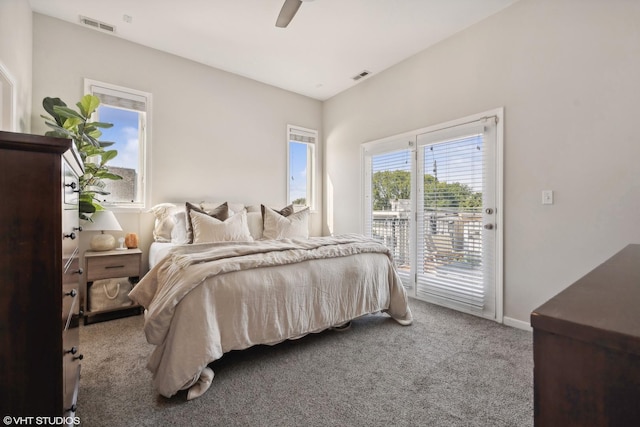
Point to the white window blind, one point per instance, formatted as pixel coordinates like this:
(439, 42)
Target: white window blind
(388, 200)
(118, 98)
(452, 244)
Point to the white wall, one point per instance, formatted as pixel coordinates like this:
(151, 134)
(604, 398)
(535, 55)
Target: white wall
(568, 75)
(215, 136)
(16, 57)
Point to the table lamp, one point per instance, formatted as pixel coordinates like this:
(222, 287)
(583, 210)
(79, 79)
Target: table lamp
(102, 221)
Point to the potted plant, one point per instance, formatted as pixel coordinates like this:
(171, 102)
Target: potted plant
(76, 125)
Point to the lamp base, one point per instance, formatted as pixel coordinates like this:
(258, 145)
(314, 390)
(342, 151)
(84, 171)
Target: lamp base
(103, 242)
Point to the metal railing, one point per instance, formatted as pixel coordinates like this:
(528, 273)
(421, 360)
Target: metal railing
(457, 234)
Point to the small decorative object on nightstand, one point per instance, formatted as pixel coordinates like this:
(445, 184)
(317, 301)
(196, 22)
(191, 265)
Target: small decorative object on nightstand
(131, 240)
(113, 264)
(121, 244)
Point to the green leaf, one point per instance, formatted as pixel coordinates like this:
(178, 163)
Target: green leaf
(72, 123)
(93, 133)
(67, 112)
(88, 105)
(102, 125)
(49, 103)
(86, 207)
(108, 155)
(92, 150)
(90, 140)
(110, 175)
(104, 144)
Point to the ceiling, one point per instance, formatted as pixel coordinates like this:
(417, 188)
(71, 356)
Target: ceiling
(327, 43)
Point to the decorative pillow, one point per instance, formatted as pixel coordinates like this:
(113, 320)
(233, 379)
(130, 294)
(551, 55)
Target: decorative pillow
(164, 222)
(277, 226)
(255, 222)
(286, 211)
(207, 229)
(220, 213)
(234, 208)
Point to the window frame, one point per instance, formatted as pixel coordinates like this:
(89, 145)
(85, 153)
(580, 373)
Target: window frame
(144, 154)
(312, 135)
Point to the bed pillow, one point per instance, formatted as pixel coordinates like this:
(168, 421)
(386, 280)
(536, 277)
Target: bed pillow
(234, 208)
(179, 232)
(255, 223)
(277, 226)
(164, 221)
(220, 213)
(208, 229)
(286, 211)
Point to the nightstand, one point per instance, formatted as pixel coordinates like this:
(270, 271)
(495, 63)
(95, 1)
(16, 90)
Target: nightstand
(110, 265)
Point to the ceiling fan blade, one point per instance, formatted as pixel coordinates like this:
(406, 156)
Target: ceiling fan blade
(288, 11)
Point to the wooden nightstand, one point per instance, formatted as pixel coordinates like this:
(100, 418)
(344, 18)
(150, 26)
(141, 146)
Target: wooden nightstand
(110, 265)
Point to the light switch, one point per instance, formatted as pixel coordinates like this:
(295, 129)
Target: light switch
(547, 197)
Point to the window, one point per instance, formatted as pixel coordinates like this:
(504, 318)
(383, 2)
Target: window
(301, 166)
(128, 111)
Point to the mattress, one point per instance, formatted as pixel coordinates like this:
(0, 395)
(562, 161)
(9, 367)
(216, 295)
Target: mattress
(157, 251)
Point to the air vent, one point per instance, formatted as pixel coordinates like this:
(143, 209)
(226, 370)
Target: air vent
(364, 73)
(94, 23)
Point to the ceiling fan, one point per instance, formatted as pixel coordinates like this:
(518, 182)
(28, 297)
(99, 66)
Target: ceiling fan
(288, 11)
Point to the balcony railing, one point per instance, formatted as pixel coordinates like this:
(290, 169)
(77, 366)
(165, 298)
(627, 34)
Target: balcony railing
(447, 237)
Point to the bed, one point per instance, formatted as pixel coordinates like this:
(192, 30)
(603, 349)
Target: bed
(227, 285)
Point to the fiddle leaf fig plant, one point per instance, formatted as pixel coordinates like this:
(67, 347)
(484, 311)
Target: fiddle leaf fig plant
(77, 125)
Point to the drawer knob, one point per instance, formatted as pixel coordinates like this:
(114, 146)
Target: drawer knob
(73, 350)
(71, 236)
(73, 185)
(72, 293)
(73, 408)
(79, 228)
(78, 271)
(78, 357)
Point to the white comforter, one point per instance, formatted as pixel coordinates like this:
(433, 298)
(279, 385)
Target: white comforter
(205, 300)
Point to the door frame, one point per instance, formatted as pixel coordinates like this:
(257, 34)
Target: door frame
(379, 145)
(7, 100)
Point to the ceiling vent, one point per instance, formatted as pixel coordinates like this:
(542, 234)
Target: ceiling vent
(94, 23)
(364, 73)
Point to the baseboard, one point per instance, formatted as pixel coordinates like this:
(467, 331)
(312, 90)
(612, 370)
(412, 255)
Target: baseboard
(515, 323)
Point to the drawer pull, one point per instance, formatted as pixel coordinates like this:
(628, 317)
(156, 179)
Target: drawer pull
(114, 266)
(72, 293)
(73, 408)
(71, 236)
(73, 185)
(78, 357)
(78, 271)
(73, 350)
(79, 228)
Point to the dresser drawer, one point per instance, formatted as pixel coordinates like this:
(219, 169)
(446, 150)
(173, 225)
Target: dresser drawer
(71, 186)
(71, 369)
(106, 267)
(70, 232)
(71, 293)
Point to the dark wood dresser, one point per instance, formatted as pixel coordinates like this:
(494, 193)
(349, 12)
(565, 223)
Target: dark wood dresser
(39, 276)
(586, 348)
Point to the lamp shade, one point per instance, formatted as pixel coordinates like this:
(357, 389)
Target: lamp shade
(102, 221)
